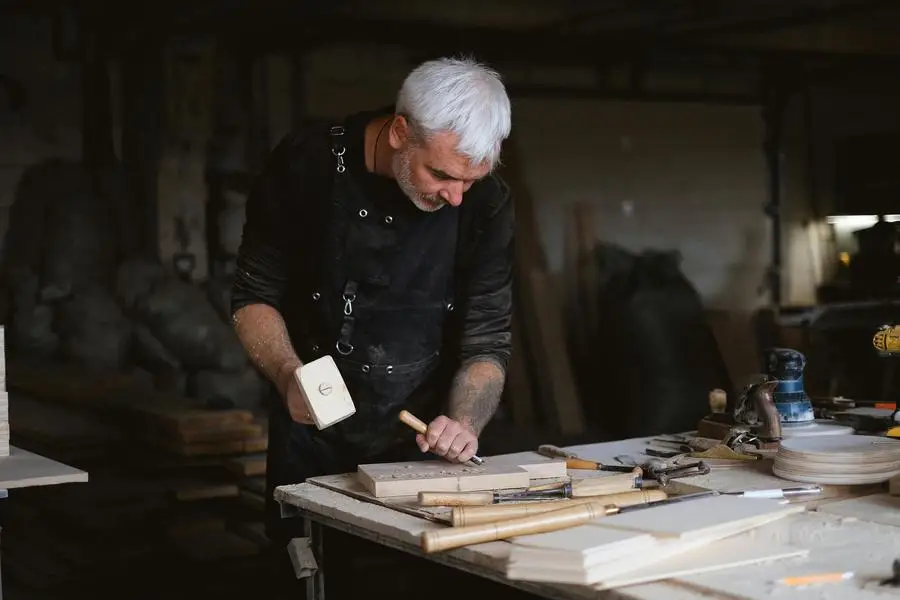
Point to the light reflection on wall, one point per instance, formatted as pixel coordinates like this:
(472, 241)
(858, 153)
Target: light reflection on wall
(845, 225)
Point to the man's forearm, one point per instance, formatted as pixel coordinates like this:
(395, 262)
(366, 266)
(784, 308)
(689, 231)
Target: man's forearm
(475, 394)
(264, 336)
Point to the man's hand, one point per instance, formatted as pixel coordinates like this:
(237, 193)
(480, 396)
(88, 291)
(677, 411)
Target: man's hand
(450, 439)
(293, 397)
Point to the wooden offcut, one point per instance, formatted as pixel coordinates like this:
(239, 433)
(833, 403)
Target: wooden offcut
(410, 478)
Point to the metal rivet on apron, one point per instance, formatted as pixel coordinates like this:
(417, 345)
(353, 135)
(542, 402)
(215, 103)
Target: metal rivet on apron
(316, 296)
(365, 368)
(389, 369)
(449, 307)
(363, 213)
(389, 219)
(315, 348)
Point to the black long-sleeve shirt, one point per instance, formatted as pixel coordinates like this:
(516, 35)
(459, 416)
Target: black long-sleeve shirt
(281, 232)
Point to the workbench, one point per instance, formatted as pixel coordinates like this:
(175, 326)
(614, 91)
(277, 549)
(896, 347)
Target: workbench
(23, 469)
(844, 532)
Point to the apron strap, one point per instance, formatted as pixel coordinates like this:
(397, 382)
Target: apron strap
(338, 149)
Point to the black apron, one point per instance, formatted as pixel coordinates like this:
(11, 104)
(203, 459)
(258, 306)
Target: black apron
(386, 342)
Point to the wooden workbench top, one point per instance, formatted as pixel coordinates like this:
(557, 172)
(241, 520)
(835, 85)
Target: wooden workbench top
(859, 535)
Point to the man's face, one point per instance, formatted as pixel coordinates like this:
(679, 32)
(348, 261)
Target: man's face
(432, 174)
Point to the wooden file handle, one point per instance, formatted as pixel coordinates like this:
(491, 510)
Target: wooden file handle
(456, 537)
(413, 421)
(455, 498)
(611, 484)
(464, 516)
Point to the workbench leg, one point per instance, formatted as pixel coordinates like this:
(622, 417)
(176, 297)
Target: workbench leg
(315, 583)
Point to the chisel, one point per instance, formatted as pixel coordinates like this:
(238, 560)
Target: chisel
(554, 520)
(580, 488)
(474, 515)
(574, 462)
(420, 427)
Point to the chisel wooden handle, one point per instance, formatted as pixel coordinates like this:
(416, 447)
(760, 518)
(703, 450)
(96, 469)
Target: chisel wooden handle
(457, 537)
(413, 421)
(420, 427)
(611, 484)
(456, 498)
(572, 461)
(580, 463)
(551, 451)
(475, 515)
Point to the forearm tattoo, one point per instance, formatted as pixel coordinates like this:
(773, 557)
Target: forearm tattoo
(475, 394)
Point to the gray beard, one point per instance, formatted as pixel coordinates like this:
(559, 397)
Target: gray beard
(403, 173)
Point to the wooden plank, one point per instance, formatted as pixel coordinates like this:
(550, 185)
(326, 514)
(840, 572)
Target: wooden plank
(405, 479)
(564, 393)
(247, 466)
(220, 448)
(122, 398)
(24, 469)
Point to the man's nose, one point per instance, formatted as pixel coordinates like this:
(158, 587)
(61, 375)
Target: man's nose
(453, 193)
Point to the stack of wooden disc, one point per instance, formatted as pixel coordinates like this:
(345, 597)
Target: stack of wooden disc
(838, 460)
(817, 427)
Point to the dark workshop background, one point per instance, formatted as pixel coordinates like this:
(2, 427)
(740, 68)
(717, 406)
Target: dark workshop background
(688, 177)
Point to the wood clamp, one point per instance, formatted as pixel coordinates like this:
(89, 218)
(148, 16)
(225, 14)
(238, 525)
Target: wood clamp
(663, 473)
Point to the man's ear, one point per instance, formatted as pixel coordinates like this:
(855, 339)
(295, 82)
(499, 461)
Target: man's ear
(398, 134)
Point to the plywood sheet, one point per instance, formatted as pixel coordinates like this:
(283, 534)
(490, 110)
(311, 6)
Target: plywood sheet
(349, 485)
(725, 554)
(700, 518)
(24, 469)
(409, 478)
(576, 549)
(877, 508)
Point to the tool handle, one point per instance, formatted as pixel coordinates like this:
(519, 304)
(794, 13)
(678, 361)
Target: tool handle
(611, 484)
(551, 451)
(455, 498)
(420, 427)
(580, 463)
(456, 537)
(413, 421)
(463, 516)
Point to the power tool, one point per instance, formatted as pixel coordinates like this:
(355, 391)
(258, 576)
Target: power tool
(786, 366)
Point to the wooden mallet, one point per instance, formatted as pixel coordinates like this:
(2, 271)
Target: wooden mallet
(419, 426)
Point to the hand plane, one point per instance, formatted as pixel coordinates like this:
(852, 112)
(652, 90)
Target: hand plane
(754, 418)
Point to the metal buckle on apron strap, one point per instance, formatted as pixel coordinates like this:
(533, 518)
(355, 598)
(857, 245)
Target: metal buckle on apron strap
(343, 345)
(337, 148)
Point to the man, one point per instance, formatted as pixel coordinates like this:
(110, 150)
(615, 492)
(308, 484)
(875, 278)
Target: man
(386, 242)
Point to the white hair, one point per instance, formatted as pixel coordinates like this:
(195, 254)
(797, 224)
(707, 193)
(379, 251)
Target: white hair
(460, 96)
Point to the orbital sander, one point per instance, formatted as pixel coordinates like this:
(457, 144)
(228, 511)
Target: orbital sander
(775, 406)
(786, 366)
